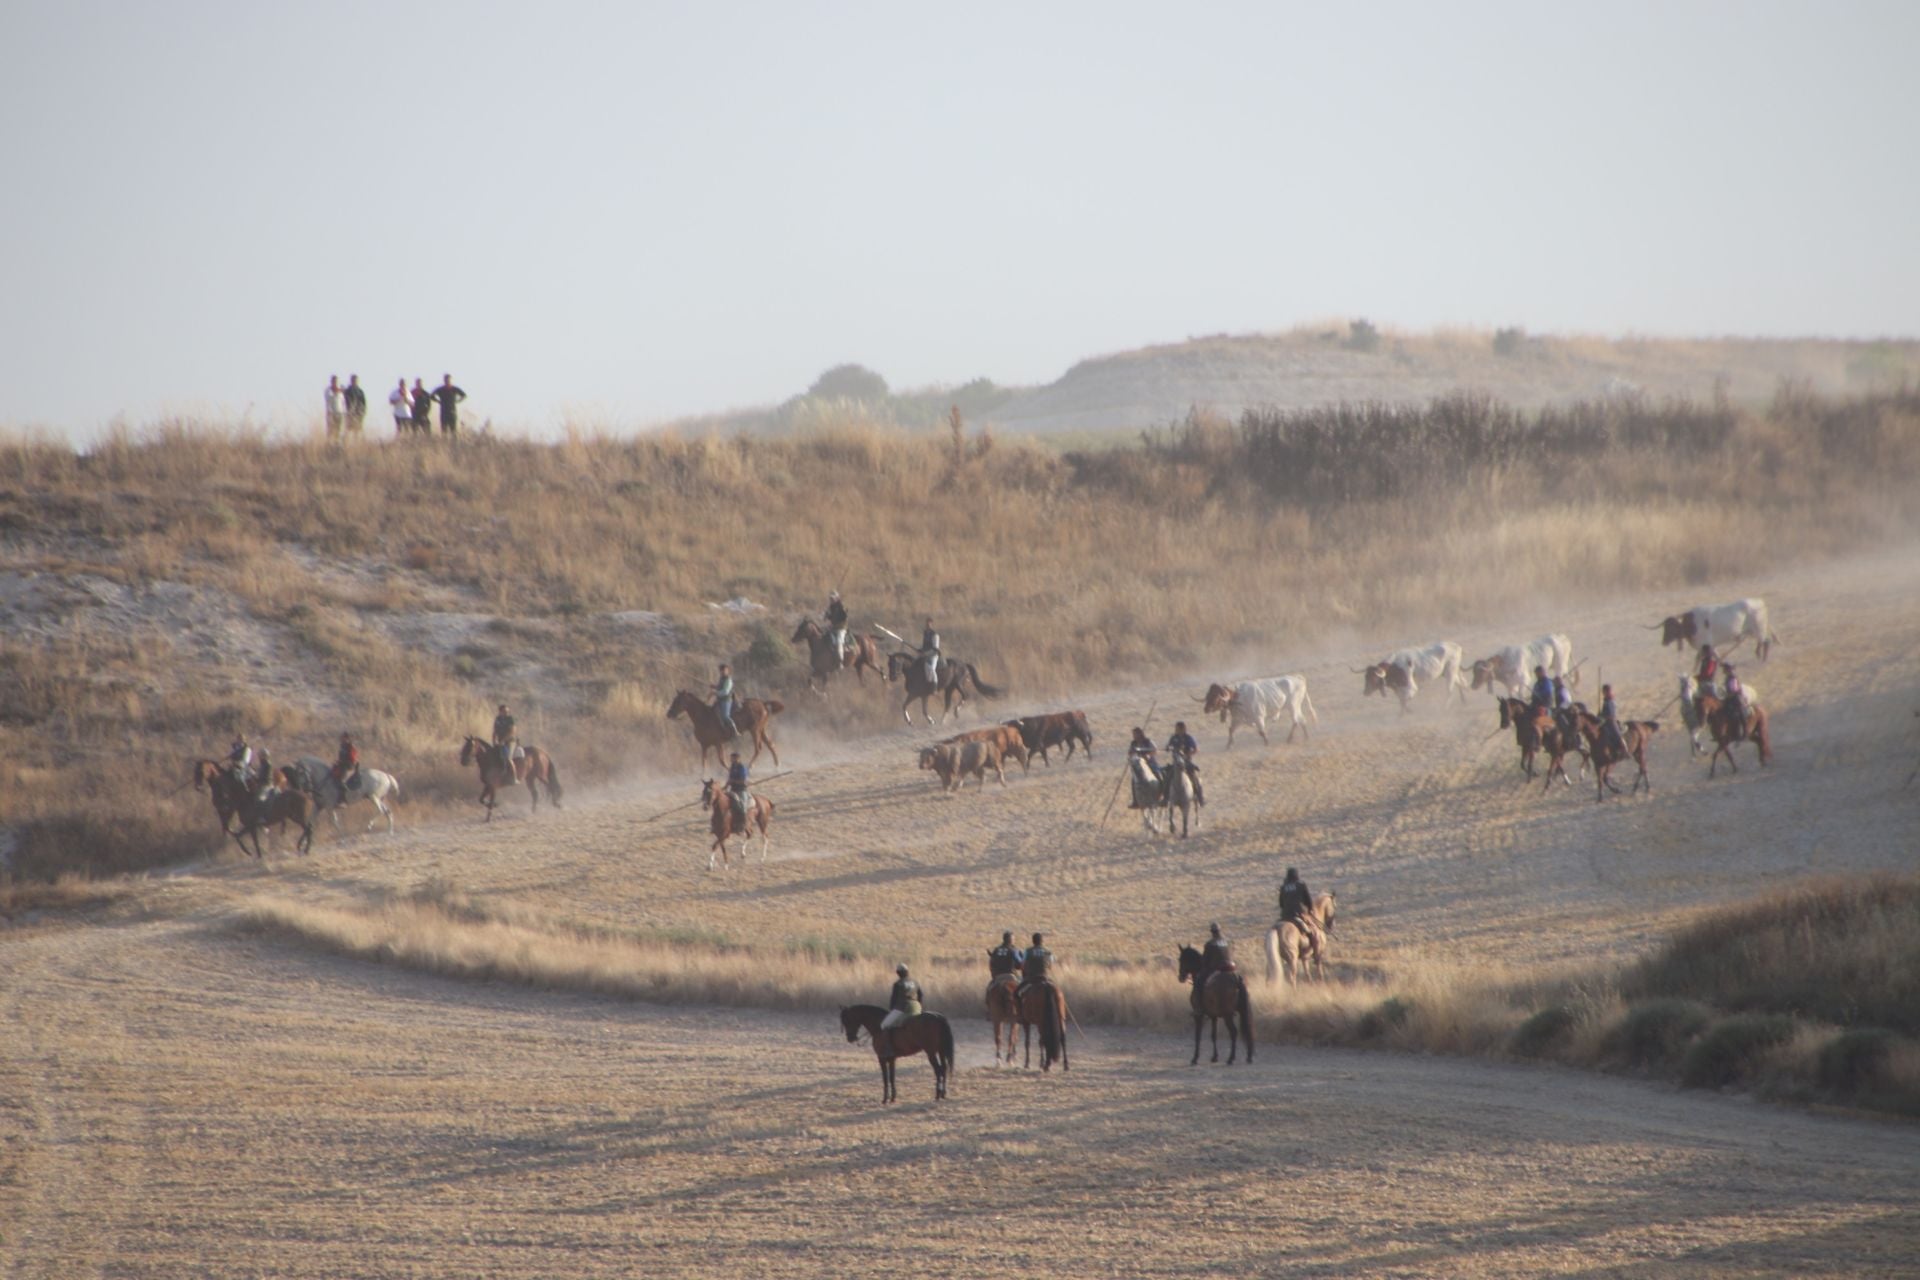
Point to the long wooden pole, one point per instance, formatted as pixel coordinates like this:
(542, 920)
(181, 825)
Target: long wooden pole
(1127, 768)
(785, 773)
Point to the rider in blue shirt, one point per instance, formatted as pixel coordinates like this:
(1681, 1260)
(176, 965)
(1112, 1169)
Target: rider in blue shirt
(1542, 689)
(1181, 747)
(737, 785)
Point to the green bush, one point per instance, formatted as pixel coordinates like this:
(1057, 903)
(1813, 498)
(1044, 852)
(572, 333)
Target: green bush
(1854, 1062)
(1363, 336)
(1655, 1032)
(1732, 1048)
(769, 651)
(1509, 342)
(1389, 1014)
(1541, 1033)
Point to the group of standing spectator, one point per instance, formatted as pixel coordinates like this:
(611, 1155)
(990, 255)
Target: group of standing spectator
(412, 409)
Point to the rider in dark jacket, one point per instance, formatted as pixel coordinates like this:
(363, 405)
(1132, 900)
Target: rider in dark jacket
(904, 1001)
(737, 786)
(1610, 733)
(1296, 904)
(1542, 690)
(837, 625)
(1037, 965)
(1181, 747)
(1217, 954)
(1005, 958)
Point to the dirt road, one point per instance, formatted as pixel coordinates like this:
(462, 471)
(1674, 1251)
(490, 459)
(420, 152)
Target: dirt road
(180, 1096)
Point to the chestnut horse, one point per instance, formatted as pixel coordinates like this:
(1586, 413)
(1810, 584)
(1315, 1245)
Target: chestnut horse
(1536, 731)
(1725, 723)
(926, 1033)
(1223, 996)
(751, 717)
(1636, 734)
(1003, 1010)
(863, 653)
(535, 768)
(1044, 1004)
(724, 820)
(1291, 949)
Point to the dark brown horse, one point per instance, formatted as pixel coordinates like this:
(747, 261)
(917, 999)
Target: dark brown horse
(926, 1033)
(1003, 1010)
(283, 805)
(863, 654)
(1728, 728)
(751, 717)
(950, 678)
(1043, 1004)
(1223, 995)
(228, 792)
(1535, 730)
(725, 823)
(1636, 735)
(534, 767)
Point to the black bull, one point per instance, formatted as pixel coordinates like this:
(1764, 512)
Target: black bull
(1041, 734)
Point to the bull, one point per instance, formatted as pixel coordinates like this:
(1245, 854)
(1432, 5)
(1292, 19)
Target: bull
(1724, 626)
(1255, 702)
(1042, 733)
(1402, 671)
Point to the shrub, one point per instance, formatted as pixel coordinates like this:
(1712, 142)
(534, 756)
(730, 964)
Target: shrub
(1509, 342)
(1655, 1032)
(1733, 1048)
(849, 382)
(769, 651)
(1363, 336)
(1855, 1062)
(1390, 1014)
(1543, 1032)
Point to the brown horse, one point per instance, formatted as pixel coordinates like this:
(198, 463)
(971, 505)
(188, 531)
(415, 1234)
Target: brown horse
(1223, 995)
(1003, 1010)
(863, 654)
(228, 793)
(1726, 725)
(950, 679)
(535, 768)
(1044, 1004)
(751, 716)
(1535, 731)
(1637, 735)
(1294, 953)
(725, 823)
(283, 805)
(926, 1033)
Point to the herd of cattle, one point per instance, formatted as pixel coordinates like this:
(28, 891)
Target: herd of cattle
(1284, 699)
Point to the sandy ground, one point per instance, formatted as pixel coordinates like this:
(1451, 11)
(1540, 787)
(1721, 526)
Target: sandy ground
(181, 1097)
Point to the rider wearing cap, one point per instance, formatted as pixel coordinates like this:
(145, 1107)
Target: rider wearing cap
(1181, 747)
(346, 766)
(1217, 954)
(904, 1001)
(1296, 904)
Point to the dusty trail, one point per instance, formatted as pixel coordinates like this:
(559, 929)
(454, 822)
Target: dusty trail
(181, 1097)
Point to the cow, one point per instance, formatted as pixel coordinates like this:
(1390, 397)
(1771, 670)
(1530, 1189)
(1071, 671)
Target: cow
(1040, 734)
(1724, 626)
(1006, 737)
(952, 762)
(1255, 702)
(1403, 670)
(1512, 668)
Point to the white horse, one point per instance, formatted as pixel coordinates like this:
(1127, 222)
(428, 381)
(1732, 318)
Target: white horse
(329, 798)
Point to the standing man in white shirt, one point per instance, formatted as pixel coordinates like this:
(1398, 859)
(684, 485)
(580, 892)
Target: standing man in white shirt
(402, 408)
(333, 406)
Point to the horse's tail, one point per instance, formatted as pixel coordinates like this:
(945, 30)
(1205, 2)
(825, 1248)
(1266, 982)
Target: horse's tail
(1764, 738)
(946, 1050)
(554, 790)
(1273, 954)
(1050, 1028)
(1246, 1016)
(1306, 705)
(981, 686)
(775, 706)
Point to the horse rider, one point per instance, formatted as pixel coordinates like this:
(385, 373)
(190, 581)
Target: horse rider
(1005, 959)
(1610, 734)
(1296, 906)
(346, 766)
(1737, 699)
(1542, 690)
(1703, 677)
(240, 761)
(837, 626)
(263, 783)
(1563, 708)
(737, 786)
(1036, 966)
(723, 699)
(1181, 747)
(1216, 955)
(505, 739)
(1142, 748)
(930, 651)
(904, 1001)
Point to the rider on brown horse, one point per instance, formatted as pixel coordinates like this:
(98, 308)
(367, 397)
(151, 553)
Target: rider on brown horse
(906, 1000)
(1296, 906)
(1610, 722)
(506, 741)
(1215, 957)
(723, 699)
(737, 788)
(1005, 960)
(836, 616)
(1037, 966)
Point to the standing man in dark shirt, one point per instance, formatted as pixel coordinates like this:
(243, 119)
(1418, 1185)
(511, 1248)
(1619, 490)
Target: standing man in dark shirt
(356, 397)
(422, 409)
(449, 397)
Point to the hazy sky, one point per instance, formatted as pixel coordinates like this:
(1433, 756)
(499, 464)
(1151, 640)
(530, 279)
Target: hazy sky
(619, 212)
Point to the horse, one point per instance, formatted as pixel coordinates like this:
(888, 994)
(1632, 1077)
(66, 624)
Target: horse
(1291, 949)
(863, 652)
(926, 1033)
(1536, 731)
(1044, 1004)
(1223, 996)
(1726, 725)
(284, 805)
(950, 677)
(1178, 794)
(1003, 1010)
(759, 813)
(1637, 735)
(315, 777)
(751, 716)
(228, 793)
(535, 768)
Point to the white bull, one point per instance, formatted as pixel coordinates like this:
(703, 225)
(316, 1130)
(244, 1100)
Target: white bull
(1723, 626)
(1403, 670)
(1255, 702)
(1513, 667)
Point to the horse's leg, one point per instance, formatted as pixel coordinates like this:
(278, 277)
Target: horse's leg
(1197, 1018)
(1213, 1025)
(1026, 1038)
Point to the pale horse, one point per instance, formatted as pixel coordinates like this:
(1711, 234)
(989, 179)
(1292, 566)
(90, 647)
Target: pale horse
(375, 785)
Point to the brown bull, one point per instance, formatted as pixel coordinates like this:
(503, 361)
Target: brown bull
(1004, 736)
(1042, 733)
(953, 762)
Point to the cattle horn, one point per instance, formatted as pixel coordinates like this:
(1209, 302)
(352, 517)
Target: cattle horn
(1201, 701)
(1360, 671)
(1653, 626)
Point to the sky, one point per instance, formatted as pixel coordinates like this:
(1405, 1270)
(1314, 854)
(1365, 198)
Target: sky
(609, 214)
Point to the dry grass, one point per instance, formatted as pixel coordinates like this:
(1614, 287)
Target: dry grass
(1051, 571)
